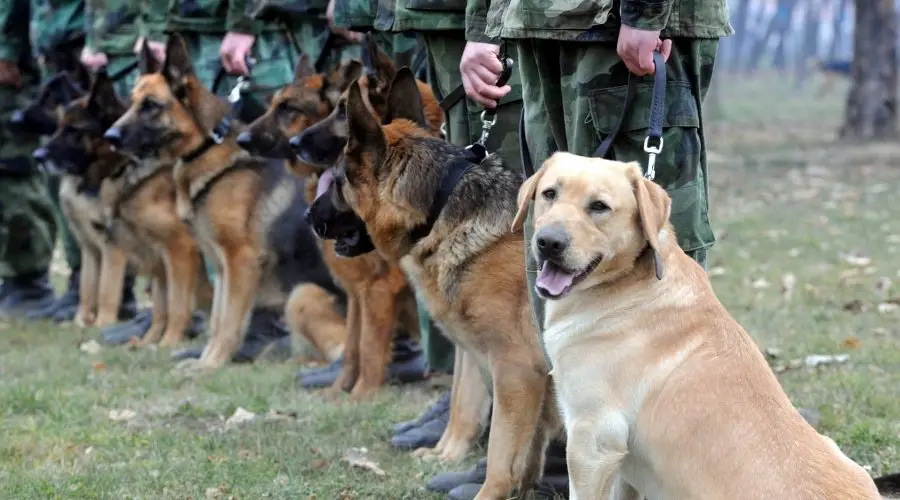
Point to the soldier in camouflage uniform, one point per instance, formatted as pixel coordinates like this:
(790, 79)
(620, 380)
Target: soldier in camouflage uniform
(27, 224)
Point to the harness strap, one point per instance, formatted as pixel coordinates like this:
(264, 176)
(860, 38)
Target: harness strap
(122, 73)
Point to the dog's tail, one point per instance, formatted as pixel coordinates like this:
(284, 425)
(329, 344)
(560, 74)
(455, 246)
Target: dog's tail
(889, 486)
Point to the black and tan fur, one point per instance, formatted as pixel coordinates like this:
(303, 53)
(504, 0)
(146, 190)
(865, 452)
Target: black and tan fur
(246, 212)
(378, 298)
(85, 161)
(468, 268)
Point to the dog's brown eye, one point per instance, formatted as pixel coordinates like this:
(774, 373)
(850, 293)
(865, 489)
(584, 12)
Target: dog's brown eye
(549, 194)
(598, 206)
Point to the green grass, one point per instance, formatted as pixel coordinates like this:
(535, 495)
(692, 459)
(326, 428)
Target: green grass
(786, 200)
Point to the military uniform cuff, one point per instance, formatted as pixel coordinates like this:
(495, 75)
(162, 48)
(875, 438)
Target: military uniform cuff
(244, 25)
(647, 15)
(475, 30)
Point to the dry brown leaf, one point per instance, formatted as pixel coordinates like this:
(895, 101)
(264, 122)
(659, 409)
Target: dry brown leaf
(318, 464)
(121, 415)
(855, 306)
(851, 343)
(98, 366)
(281, 415)
(359, 458)
(788, 282)
(857, 259)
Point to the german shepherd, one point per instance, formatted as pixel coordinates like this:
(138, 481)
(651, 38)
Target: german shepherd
(42, 115)
(465, 262)
(85, 161)
(379, 300)
(246, 212)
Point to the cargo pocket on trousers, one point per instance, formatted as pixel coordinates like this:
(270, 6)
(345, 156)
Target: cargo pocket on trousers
(678, 166)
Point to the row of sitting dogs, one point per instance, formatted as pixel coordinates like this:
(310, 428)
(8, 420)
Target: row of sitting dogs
(658, 392)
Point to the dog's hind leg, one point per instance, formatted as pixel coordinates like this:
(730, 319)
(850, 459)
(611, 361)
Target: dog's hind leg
(88, 284)
(182, 262)
(240, 282)
(310, 314)
(467, 411)
(519, 392)
(350, 369)
(113, 262)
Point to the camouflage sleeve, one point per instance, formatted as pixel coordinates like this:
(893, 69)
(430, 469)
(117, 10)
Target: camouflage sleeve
(13, 14)
(476, 22)
(154, 16)
(648, 15)
(239, 22)
(90, 36)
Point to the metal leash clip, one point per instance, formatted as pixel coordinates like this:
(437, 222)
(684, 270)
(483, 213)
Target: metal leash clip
(652, 151)
(489, 116)
(243, 82)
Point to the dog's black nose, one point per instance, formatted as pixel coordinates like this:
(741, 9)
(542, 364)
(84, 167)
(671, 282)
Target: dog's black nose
(552, 241)
(244, 140)
(114, 136)
(17, 118)
(39, 155)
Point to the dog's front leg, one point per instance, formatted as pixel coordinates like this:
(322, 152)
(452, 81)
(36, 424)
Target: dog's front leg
(594, 452)
(241, 281)
(378, 312)
(88, 285)
(519, 391)
(159, 309)
(467, 411)
(182, 265)
(183, 206)
(113, 262)
(350, 368)
(310, 314)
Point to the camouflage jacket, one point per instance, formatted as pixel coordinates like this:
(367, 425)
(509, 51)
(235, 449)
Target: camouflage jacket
(113, 26)
(56, 22)
(599, 20)
(275, 10)
(14, 43)
(414, 15)
(203, 16)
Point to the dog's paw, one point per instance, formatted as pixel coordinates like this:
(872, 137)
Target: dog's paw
(171, 339)
(424, 453)
(84, 319)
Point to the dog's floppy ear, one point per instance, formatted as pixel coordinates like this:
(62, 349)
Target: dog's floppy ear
(654, 208)
(365, 132)
(526, 194)
(404, 99)
(103, 101)
(304, 68)
(147, 62)
(178, 62)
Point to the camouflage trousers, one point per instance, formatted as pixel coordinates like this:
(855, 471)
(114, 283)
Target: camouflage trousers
(445, 51)
(574, 93)
(27, 222)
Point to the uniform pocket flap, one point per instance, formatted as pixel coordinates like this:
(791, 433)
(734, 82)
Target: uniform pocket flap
(606, 107)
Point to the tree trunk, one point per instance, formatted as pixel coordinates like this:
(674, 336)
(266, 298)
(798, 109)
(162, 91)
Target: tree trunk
(810, 48)
(740, 33)
(778, 26)
(872, 103)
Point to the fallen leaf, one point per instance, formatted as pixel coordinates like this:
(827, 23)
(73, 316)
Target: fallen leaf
(121, 415)
(240, 416)
(788, 282)
(816, 360)
(889, 306)
(90, 347)
(760, 283)
(98, 366)
(217, 493)
(855, 306)
(358, 457)
(318, 464)
(717, 271)
(857, 260)
(282, 480)
(281, 415)
(850, 343)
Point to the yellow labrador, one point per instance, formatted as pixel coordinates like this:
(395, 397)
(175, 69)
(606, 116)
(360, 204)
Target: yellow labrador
(663, 394)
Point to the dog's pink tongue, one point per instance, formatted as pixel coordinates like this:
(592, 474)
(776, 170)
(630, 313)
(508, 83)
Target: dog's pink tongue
(325, 182)
(553, 279)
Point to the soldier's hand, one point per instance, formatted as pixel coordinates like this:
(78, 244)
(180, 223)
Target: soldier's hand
(93, 60)
(234, 51)
(636, 48)
(10, 76)
(481, 68)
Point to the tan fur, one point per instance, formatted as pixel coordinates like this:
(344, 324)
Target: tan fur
(663, 394)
